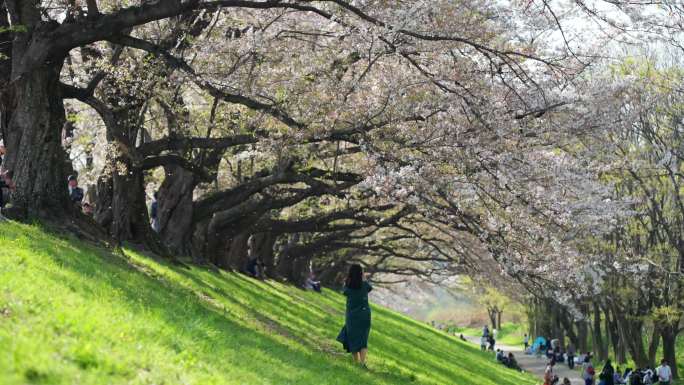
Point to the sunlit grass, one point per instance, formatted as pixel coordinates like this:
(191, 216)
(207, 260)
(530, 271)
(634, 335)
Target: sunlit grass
(71, 313)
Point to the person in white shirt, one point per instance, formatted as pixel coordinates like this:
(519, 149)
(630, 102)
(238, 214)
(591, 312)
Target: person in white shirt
(664, 373)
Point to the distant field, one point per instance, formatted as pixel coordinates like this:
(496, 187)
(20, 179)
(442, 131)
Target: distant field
(510, 334)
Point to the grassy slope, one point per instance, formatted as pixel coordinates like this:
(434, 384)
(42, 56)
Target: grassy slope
(72, 313)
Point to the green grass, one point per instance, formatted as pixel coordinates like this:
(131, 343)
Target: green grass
(511, 334)
(72, 313)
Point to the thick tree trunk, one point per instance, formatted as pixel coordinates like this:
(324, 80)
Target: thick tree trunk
(121, 208)
(35, 152)
(499, 315)
(176, 209)
(582, 335)
(103, 201)
(669, 336)
(653, 346)
(234, 252)
(568, 328)
(6, 102)
(618, 344)
(630, 332)
(264, 243)
(599, 347)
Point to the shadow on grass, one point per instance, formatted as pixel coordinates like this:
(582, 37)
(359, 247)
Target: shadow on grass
(176, 307)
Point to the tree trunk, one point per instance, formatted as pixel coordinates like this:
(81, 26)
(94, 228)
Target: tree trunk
(491, 312)
(234, 252)
(599, 347)
(630, 332)
(175, 211)
(582, 335)
(499, 315)
(264, 243)
(618, 343)
(122, 209)
(33, 141)
(103, 201)
(669, 335)
(568, 328)
(653, 346)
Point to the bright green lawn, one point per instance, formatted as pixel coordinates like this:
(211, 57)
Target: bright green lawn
(71, 313)
(511, 334)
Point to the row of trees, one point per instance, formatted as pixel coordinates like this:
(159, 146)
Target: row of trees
(321, 132)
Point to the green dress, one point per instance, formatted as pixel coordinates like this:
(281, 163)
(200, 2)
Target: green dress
(354, 333)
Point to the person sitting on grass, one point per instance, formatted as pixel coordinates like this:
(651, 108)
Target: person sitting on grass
(566, 381)
(499, 355)
(312, 284)
(607, 373)
(75, 193)
(588, 371)
(462, 337)
(512, 362)
(550, 378)
(5, 183)
(87, 209)
(357, 324)
(648, 376)
(255, 268)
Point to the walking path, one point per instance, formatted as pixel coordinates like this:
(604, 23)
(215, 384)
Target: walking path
(535, 365)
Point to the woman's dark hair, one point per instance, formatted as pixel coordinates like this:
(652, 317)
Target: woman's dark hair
(355, 277)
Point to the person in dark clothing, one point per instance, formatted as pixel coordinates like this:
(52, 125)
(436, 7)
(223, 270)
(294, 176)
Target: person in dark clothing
(512, 362)
(492, 342)
(75, 193)
(357, 324)
(255, 267)
(6, 183)
(571, 356)
(607, 374)
(312, 284)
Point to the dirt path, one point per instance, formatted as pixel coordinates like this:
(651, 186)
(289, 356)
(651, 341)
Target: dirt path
(536, 365)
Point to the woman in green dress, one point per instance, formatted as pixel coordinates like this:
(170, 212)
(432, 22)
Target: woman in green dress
(354, 334)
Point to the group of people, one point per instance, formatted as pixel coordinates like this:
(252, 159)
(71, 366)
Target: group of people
(550, 378)
(609, 375)
(488, 339)
(662, 375)
(507, 359)
(487, 342)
